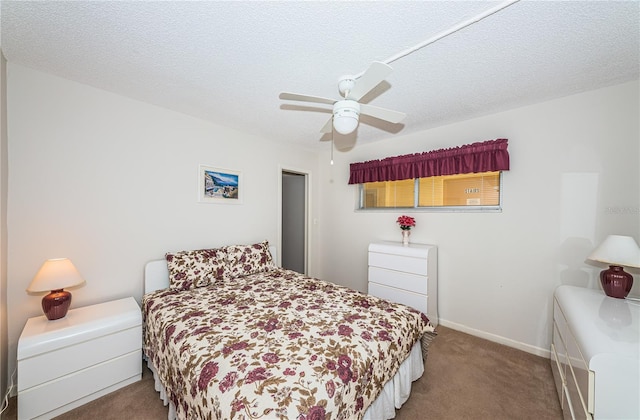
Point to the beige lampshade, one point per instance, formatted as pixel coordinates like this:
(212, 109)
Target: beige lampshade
(617, 250)
(55, 274)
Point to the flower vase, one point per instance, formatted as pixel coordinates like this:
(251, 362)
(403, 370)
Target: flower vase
(405, 236)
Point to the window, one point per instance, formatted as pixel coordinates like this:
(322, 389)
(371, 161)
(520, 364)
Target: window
(464, 178)
(389, 194)
(460, 192)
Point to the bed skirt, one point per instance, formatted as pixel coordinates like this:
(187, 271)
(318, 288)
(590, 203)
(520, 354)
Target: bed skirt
(395, 392)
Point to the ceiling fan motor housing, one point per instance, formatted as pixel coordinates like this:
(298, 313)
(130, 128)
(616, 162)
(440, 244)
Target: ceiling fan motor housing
(346, 84)
(345, 116)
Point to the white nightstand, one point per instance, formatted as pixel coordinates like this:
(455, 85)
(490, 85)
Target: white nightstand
(68, 362)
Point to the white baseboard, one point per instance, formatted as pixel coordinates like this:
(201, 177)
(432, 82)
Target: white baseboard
(538, 351)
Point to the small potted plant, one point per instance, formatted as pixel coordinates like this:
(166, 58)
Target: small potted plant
(406, 223)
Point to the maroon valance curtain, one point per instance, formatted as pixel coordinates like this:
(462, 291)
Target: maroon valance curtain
(485, 156)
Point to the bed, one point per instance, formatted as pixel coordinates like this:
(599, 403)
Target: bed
(228, 335)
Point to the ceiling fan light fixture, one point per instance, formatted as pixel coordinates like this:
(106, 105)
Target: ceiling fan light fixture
(345, 116)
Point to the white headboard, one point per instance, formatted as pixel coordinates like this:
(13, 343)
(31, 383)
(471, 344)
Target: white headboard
(156, 273)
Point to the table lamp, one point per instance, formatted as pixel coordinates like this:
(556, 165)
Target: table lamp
(53, 277)
(617, 251)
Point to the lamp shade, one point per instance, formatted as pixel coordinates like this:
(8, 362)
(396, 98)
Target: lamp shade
(617, 250)
(55, 274)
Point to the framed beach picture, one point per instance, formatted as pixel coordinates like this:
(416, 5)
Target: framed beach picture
(220, 186)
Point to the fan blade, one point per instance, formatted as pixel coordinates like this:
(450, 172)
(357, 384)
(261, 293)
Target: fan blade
(328, 127)
(382, 113)
(306, 98)
(371, 78)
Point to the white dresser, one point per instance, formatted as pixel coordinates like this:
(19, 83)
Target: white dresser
(595, 354)
(68, 362)
(405, 274)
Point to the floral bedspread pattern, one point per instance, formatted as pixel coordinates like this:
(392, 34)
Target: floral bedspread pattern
(276, 345)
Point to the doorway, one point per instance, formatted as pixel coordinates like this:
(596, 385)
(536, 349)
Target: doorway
(293, 226)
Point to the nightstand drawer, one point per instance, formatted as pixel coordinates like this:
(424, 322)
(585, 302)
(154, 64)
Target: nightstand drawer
(414, 300)
(410, 282)
(48, 366)
(64, 391)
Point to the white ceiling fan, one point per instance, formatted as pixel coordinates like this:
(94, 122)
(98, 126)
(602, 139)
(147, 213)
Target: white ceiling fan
(346, 111)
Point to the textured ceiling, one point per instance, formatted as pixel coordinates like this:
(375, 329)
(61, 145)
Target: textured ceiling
(227, 61)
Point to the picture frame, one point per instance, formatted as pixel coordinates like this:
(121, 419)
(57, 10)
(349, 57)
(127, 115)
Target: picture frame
(219, 186)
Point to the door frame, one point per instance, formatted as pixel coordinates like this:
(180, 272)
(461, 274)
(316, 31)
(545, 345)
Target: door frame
(307, 209)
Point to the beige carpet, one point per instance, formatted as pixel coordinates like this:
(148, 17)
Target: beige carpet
(465, 378)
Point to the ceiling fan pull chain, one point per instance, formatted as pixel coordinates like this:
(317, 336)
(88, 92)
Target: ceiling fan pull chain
(331, 147)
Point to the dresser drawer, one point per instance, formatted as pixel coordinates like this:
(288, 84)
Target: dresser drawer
(569, 369)
(557, 368)
(577, 377)
(398, 263)
(52, 396)
(577, 400)
(559, 351)
(406, 281)
(48, 366)
(392, 294)
(567, 406)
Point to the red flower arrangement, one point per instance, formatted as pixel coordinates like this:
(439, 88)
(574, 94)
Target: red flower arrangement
(406, 222)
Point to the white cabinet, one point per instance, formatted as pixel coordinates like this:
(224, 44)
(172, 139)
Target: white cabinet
(405, 274)
(68, 362)
(595, 354)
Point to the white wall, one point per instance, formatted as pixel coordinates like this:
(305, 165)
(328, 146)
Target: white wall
(111, 183)
(574, 179)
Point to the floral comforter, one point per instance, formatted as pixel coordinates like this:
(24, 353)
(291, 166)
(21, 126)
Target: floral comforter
(276, 345)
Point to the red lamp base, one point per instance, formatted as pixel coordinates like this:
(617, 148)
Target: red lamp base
(56, 304)
(616, 282)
